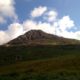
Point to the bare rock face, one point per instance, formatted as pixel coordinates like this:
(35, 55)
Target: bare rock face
(40, 38)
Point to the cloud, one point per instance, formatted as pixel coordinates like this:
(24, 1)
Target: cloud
(36, 12)
(65, 23)
(51, 16)
(77, 35)
(7, 9)
(46, 27)
(14, 30)
(3, 37)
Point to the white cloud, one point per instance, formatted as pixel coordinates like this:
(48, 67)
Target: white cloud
(46, 27)
(52, 16)
(7, 9)
(38, 11)
(3, 37)
(65, 23)
(14, 30)
(77, 35)
(66, 34)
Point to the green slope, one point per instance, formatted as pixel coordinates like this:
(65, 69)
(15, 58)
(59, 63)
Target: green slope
(68, 62)
(60, 68)
(40, 62)
(9, 55)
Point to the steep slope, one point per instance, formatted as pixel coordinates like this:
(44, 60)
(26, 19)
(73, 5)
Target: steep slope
(38, 37)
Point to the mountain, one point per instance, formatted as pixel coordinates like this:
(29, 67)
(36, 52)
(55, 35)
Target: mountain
(43, 60)
(38, 37)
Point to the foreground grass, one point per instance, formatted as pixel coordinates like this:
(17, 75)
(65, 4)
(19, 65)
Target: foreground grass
(60, 68)
(14, 54)
(40, 63)
(65, 75)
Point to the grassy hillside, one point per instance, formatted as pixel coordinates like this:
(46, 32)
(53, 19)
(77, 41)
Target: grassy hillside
(40, 62)
(9, 55)
(60, 68)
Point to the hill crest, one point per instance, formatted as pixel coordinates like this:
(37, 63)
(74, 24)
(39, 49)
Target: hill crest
(38, 37)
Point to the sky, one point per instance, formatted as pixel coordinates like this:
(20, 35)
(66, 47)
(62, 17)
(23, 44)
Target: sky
(58, 17)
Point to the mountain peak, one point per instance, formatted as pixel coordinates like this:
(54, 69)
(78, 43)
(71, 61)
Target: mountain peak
(37, 34)
(39, 37)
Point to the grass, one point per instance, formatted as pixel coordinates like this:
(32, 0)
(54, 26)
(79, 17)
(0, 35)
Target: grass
(52, 64)
(40, 63)
(61, 68)
(10, 55)
(41, 76)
